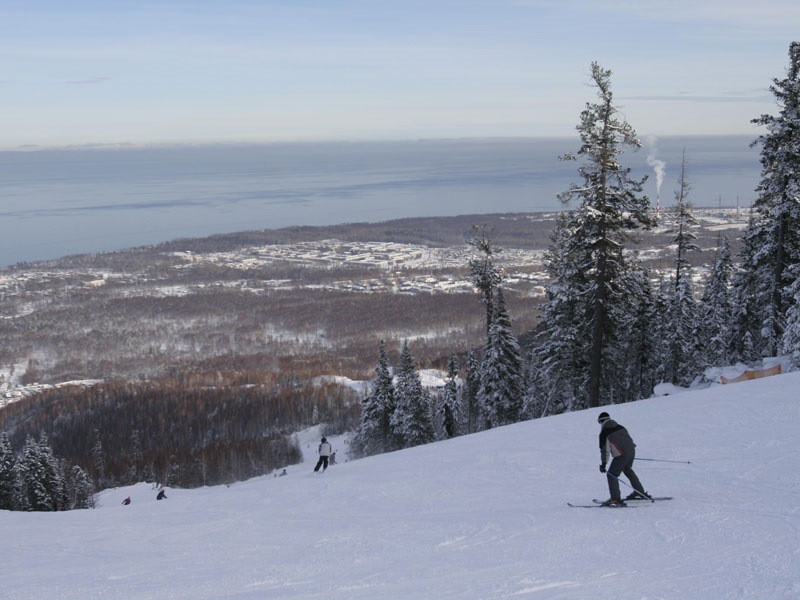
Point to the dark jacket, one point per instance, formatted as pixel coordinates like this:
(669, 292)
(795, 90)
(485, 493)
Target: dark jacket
(614, 441)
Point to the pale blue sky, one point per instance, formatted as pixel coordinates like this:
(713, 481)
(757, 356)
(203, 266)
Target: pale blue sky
(138, 71)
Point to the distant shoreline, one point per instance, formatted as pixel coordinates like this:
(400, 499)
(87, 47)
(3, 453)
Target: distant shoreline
(66, 202)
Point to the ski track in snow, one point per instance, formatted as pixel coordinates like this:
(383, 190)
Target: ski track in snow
(476, 518)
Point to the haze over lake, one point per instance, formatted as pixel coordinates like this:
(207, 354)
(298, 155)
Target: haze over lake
(87, 200)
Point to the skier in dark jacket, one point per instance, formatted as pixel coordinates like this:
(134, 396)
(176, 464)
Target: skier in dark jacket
(617, 443)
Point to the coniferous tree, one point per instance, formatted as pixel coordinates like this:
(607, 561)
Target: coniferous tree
(716, 309)
(746, 308)
(79, 489)
(634, 369)
(412, 421)
(501, 392)
(8, 474)
(472, 384)
(485, 274)
(562, 379)
(790, 341)
(374, 435)
(99, 461)
(40, 485)
(774, 232)
(682, 364)
(137, 457)
(612, 207)
(660, 353)
(450, 408)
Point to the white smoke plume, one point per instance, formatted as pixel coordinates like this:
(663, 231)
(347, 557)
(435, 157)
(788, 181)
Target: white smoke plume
(659, 166)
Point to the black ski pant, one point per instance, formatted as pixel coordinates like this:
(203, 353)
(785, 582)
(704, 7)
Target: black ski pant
(322, 462)
(622, 464)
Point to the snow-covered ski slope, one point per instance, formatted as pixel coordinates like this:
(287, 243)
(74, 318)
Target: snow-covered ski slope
(476, 518)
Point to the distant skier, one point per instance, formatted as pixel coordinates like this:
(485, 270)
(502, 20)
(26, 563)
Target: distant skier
(615, 441)
(127, 501)
(324, 452)
(161, 495)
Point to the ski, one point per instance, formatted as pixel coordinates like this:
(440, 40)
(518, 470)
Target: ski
(597, 505)
(654, 498)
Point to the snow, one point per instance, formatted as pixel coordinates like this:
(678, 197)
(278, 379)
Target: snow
(475, 518)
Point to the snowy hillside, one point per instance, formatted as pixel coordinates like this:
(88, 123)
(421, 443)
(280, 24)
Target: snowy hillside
(480, 517)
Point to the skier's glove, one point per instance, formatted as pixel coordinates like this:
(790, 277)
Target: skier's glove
(602, 468)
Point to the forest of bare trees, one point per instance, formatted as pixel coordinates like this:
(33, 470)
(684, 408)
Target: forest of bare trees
(199, 430)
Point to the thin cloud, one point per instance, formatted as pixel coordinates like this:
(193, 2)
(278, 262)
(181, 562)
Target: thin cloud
(90, 81)
(699, 98)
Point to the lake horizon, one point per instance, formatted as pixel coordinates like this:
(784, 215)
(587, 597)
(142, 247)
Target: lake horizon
(87, 200)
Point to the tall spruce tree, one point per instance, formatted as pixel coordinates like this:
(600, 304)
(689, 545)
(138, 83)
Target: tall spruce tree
(451, 413)
(412, 421)
(79, 489)
(485, 274)
(374, 435)
(39, 478)
(472, 385)
(716, 310)
(773, 237)
(501, 392)
(8, 474)
(558, 355)
(632, 370)
(611, 208)
(790, 341)
(683, 322)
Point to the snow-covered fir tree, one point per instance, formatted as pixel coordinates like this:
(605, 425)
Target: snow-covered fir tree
(660, 352)
(682, 365)
(40, 485)
(485, 274)
(501, 392)
(558, 363)
(773, 236)
(472, 385)
(451, 412)
(631, 368)
(374, 434)
(611, 208)
(716, 311)
(746, 312)
(99, 461)
(790, 341)
(8, 474)
(683, 351)
(78, 489)
(412, 420)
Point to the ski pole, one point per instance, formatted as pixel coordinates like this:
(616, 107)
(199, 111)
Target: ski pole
(630, 486)
(683, 462)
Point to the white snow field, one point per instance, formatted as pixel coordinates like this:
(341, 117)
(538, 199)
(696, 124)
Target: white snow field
(476, 518)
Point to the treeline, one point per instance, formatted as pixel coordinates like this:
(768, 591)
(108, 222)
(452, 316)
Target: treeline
(610, 330)
(37, 481)
(400, 412)
(204, 430)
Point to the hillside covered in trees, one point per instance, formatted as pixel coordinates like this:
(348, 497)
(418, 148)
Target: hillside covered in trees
(209, 353)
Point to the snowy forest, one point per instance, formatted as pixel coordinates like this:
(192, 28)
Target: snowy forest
(608, 331)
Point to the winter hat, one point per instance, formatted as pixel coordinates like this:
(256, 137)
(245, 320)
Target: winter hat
(603, 417)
